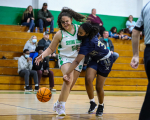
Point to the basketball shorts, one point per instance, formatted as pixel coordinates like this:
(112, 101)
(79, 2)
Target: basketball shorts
(63, 60)
(103, 67)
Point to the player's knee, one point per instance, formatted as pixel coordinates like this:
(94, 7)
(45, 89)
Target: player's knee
(99, 89)
(88, 81)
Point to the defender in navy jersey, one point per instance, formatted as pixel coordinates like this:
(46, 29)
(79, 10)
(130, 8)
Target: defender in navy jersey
(100, 64)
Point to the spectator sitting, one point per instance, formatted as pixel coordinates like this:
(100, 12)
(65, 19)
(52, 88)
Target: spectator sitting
(130, 24)
(28, 19)
(113, 33)
(95, 20)
(124, 37)
(25, 70)
(45, 18)
(31, 46)
(109, 44)
(45, 42)
(43, 70)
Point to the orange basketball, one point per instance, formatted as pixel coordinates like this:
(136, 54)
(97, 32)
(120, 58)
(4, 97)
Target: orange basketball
(44, 94)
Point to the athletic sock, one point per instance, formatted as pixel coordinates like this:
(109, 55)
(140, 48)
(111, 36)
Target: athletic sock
(101, 104)
(93, 100)
(62, 103)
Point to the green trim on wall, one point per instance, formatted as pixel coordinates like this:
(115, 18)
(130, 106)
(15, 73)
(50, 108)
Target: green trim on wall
(12, 16)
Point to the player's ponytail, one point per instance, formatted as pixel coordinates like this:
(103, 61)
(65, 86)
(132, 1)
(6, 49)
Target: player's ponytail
(70, 13)
(89, 29)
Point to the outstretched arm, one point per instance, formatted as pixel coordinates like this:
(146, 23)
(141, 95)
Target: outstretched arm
(51, 48)
(73, 66)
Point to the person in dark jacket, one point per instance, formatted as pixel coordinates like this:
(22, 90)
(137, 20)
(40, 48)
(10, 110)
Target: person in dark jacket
(109, 44)
(45, 18)
(28, 18)
(45, 42)
(43, 70)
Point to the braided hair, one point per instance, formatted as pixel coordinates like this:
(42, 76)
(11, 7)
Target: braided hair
(71, 14)
(88, 28)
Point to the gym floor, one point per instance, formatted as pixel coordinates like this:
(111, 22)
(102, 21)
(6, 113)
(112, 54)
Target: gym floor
(118, 105)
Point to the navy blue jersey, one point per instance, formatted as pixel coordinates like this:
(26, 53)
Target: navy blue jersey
(94, 48)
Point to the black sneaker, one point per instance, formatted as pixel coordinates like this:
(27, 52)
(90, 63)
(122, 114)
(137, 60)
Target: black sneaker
(36, 88)
(100, 109)
(28, 89)
(3, 57)
(93, 106)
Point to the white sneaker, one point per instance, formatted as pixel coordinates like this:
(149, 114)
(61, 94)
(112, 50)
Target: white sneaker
(28, 31)
(60, 110)
(55, 107)
(53, 90)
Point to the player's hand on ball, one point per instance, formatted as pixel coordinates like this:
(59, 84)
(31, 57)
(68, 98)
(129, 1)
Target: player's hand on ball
(38, 59)
(66, 78)
(135, 62)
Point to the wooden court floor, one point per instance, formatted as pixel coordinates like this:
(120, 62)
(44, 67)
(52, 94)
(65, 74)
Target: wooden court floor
(18, 105)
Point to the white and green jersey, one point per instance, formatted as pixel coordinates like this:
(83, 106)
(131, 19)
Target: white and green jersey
(69, 44)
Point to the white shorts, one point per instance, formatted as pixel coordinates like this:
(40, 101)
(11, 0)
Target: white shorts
(63, 60)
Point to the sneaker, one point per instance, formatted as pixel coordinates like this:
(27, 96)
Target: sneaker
(28, 31)
(60, 110)
(93, 106)
(36, 88)
(28, 89)
(3, 57)
(55, 107)
(99, 111)
(53, 90)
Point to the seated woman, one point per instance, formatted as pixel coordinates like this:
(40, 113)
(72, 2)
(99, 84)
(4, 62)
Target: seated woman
(95, 20)
(124, 37)
(113, 33)
(130, 24)
(28, 19)
(31, 46)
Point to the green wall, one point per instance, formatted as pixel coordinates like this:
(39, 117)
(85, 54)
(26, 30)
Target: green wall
(12, 16)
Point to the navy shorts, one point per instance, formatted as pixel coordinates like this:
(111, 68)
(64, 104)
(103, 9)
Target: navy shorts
(103, 67)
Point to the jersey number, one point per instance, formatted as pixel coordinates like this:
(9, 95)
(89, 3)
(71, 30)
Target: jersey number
(100, 44)
(75, 47)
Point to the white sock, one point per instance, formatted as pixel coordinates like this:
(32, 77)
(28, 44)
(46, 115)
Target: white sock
(101, 104)
(62, 103)
(93, 100)
(36, 85)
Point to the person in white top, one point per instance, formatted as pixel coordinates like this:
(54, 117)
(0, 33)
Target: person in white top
(31, 46)
(130, 23)
(66, 37)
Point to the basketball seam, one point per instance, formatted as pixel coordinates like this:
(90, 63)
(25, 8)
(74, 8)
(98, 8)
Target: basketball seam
(43, 94)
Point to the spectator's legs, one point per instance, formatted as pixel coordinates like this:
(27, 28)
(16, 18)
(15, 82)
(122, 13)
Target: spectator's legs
(33, 73)
(116, 37)
(51, 79)
(144, 114)
(39, 72)
(115, 56)
(41, 23)
(25, 24)
(25, 74)
(31, 26)
(52, 26)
